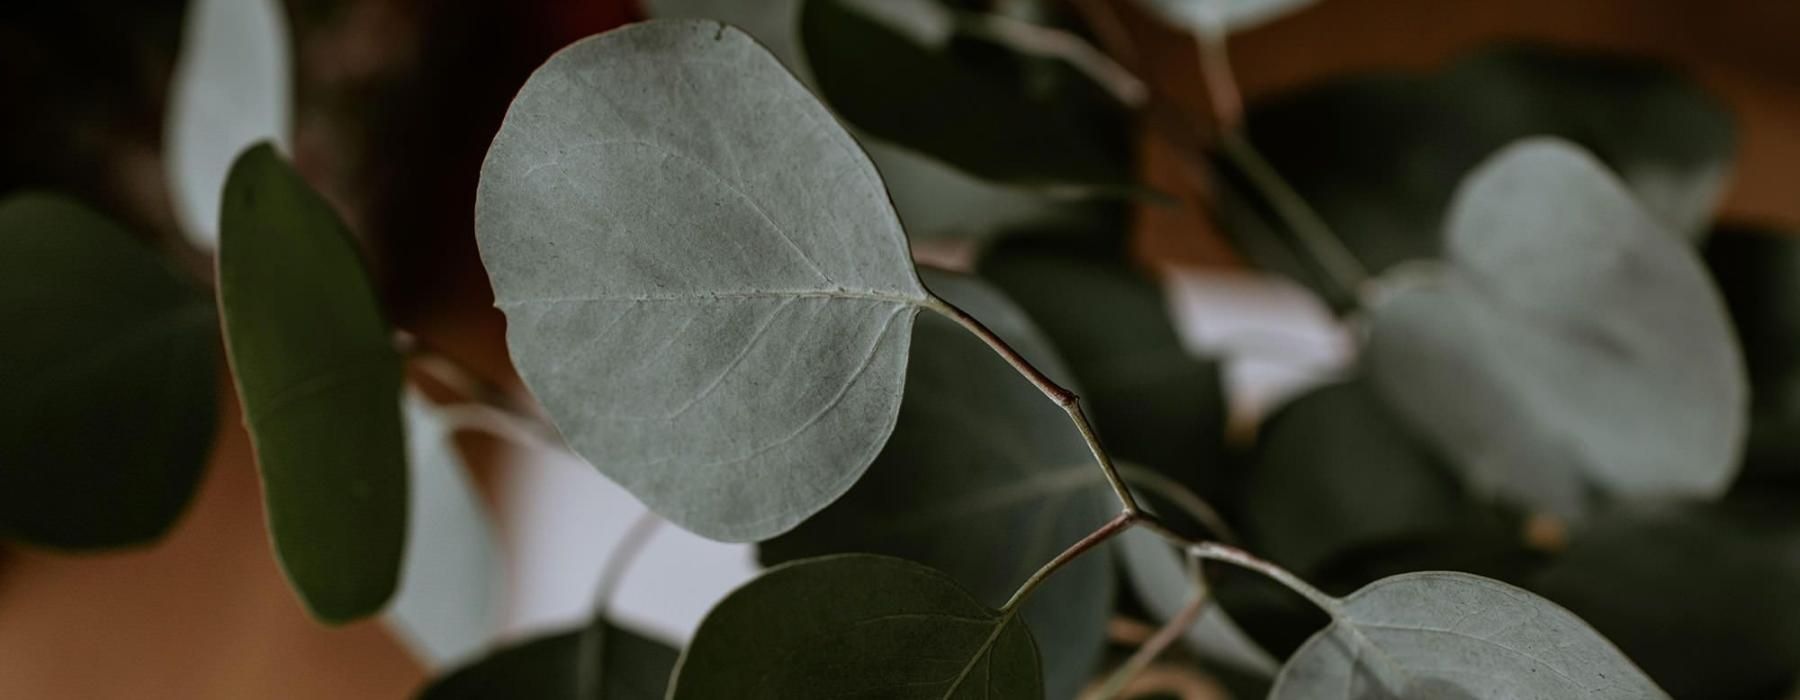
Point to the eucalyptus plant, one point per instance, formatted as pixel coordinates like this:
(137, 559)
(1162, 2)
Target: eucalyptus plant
(1568, 392)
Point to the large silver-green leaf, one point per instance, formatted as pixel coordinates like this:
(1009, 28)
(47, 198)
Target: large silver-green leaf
(1571, 346)
(629, 667)
(448, 604)
(1162, 583)
(1450, 636)
(985, 480)
(1223, 15)
(110, 364)
(232, 87)
(1379, 155)
(703, 280)
(319, 380)
(857, 625)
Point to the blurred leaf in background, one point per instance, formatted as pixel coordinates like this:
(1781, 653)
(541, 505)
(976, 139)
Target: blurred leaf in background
(111, 367)
(1378, 156)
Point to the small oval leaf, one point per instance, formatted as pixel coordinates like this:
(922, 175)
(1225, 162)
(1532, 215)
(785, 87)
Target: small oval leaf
(110, 364)
(1444, 635)
(714, 310)
(319, 380)
(986, 480)
(857, 625)
(1571, 346)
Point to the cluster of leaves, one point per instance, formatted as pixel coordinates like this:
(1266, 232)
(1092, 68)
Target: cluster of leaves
(710, 290)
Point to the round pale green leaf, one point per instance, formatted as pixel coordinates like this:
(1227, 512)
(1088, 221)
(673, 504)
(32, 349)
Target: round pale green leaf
(1706, 597)
(232, 87)
(110, 363)
(1223, 15)
(985, 480)
(901, 72)
(630, 667)
(319, 380)
(1162, 584)
(714, 309)
(1571, 346)
(1449, 636)
(857, 625)
(1379, 155)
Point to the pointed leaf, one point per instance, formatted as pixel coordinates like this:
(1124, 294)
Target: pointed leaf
(110, 364)
(631, 667)
(986, 480)
(448, 604)
(857, 625)
(1448, 635)
(1571, 346)
(715, 309)
(319, 380)
(232, 88)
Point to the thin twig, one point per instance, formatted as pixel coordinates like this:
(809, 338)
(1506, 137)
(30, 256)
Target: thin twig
(1119, 523)
(1189, 502)
(503, 424)
(593, 637)
(1237, 557)
(1070, 403)
(1157, 644)
(1316, 236)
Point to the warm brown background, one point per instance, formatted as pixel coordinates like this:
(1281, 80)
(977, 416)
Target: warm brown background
(206, 614)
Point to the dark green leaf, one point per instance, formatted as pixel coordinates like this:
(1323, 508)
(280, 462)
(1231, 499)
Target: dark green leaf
(631, 667)
(857, 625)
(902, 72)
(714, 309)
(1379, 156)
(1153, 403)
(1447, 636)
(984, 479)
(1706, 597)
(1334, 472)
(320, 381)
(934, 200)
(1571, 347)
(110, 364)
(1759, 273)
